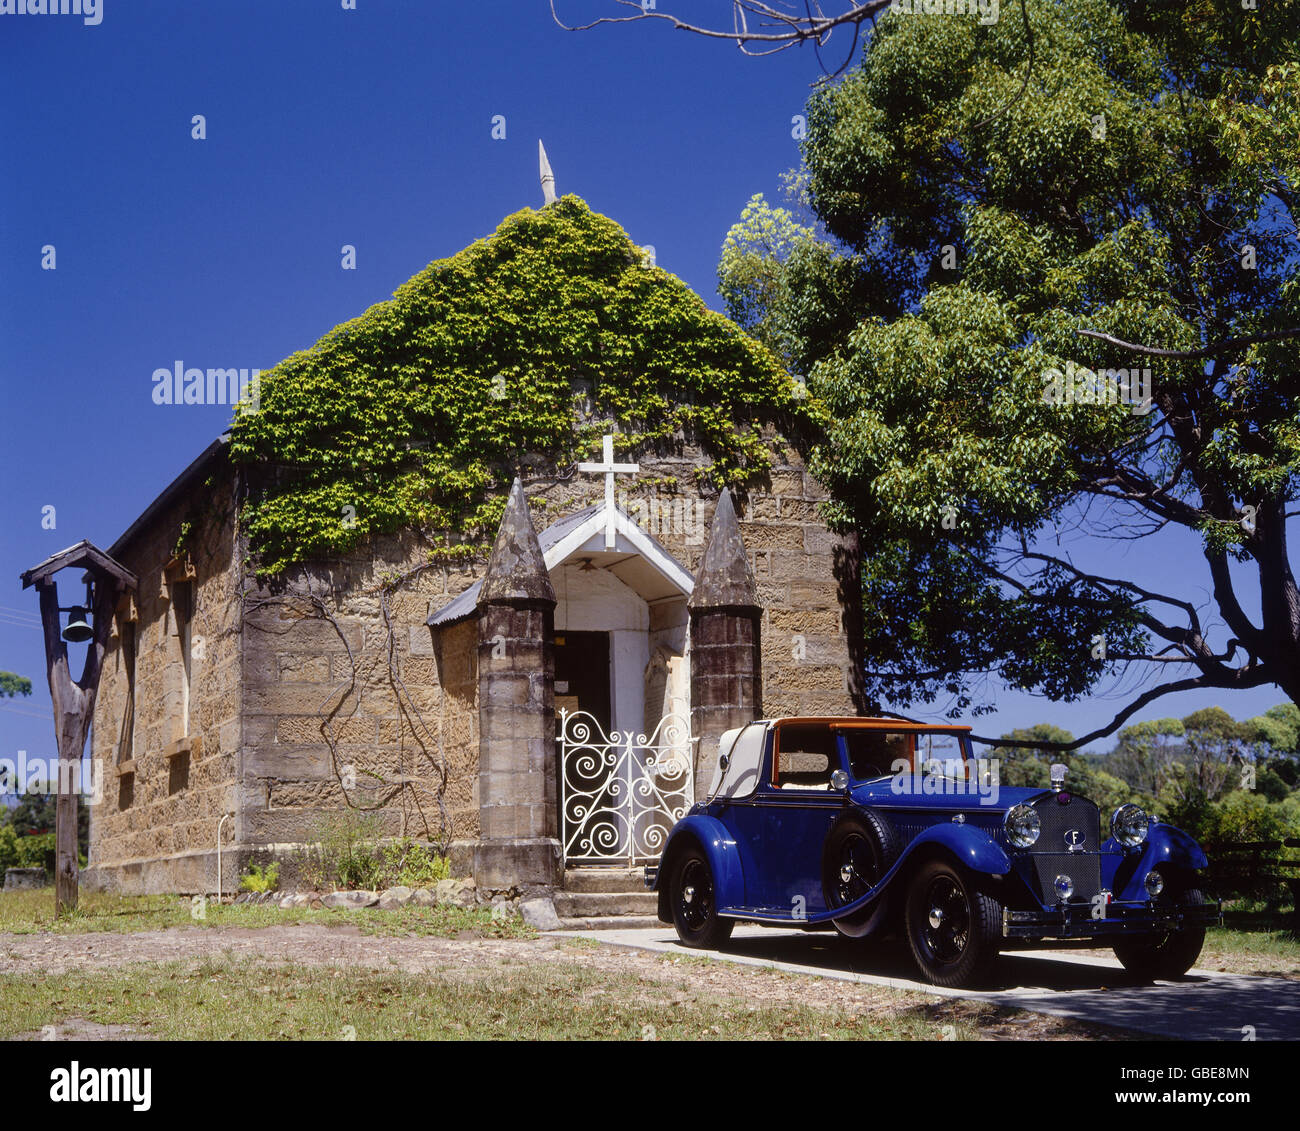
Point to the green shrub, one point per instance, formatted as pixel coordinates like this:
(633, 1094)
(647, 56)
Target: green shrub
(345, 854)
(258, 878)
(8, 847)
(412, 865)
(353, 842)
(350, 853)
(1272, 785)
(1242, 818)
(36, 852)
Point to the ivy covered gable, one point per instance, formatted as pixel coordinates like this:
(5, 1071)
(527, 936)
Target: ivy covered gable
(508, 358)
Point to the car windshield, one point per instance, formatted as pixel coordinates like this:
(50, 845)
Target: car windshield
(878, 753)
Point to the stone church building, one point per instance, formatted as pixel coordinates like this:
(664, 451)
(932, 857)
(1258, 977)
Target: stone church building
(550, 700)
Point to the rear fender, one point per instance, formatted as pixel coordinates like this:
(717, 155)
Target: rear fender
(710, 835)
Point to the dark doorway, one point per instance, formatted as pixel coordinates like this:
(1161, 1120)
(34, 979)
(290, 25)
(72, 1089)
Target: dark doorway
(582, 674)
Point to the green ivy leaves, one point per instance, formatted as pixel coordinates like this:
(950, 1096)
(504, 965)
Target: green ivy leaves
(421, 410)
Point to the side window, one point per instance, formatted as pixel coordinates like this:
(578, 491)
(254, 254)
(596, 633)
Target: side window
(805, 758)
(873, 753)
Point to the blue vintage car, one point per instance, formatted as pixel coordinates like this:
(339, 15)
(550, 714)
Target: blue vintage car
(869, 824)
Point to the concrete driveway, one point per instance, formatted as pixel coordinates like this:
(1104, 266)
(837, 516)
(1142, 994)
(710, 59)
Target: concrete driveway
(1202, 1006)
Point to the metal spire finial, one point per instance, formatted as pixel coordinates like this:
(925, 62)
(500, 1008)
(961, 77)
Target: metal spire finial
(548, 178)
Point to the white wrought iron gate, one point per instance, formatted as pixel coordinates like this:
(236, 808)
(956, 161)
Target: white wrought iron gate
(621, 793)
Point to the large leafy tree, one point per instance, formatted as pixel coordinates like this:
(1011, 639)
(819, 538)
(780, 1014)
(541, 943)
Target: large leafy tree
(1096, 186)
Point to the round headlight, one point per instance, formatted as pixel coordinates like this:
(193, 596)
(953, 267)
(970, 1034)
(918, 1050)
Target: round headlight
(1064, 887)
(1022, 825)
(1154, 883)
(1128, 825)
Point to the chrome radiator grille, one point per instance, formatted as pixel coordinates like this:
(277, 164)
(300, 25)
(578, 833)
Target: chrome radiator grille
(1077, 823)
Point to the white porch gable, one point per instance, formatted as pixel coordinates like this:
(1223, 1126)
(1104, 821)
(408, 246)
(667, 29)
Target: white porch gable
(637, 559)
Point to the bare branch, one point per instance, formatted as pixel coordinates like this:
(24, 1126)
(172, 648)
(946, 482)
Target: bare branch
(1191, 684)
(1118, 583)
(1212, 350)
(774, 28)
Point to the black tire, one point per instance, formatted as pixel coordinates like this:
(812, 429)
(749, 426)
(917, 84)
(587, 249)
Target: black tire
(1167, 955)
(860, 848)
(692, 897)
(953, 927)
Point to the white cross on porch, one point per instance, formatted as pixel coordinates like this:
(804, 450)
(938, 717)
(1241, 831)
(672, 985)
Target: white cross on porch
(609, 469)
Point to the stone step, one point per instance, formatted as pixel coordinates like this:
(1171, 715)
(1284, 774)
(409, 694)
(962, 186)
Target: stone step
(604, 879)
(612, 923)
(579, 905)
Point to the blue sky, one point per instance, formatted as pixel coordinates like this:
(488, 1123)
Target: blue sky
(328, 127)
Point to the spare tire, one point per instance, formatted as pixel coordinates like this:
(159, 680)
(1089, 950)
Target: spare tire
(859, 849)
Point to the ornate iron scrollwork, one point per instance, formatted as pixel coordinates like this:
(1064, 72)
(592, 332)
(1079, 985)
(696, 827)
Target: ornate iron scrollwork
(621, 793)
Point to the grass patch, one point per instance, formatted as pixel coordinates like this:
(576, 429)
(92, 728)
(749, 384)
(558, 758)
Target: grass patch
(250, 1000)
(578, 943)
(32, 912)
(694, 960)
(1270, 953)
(445, 920)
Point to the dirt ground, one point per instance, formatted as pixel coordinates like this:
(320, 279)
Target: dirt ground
(476, 957)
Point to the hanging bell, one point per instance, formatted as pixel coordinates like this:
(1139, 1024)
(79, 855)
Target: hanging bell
(78, 631)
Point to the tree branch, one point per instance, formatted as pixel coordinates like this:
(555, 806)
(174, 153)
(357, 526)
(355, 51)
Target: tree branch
(1212, 350)
(1120, 719)
(812, 26)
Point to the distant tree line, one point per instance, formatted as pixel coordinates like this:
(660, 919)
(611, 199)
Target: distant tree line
(27, 831)
(1224, 781)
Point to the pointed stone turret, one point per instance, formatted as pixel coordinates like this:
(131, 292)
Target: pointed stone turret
(516, 710)
(726, 659)
(548, 178)
(724, 579)
(516, 569)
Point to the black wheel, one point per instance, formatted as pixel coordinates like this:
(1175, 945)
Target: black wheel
(860, 848)
(953, 927)
(1167, 955)
(694, 903)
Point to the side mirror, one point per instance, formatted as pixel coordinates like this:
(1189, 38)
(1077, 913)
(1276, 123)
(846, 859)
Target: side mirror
(839, 781)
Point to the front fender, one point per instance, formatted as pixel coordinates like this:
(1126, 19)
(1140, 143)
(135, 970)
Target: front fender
(973, 847)
(719, 847)
(1165, 844)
